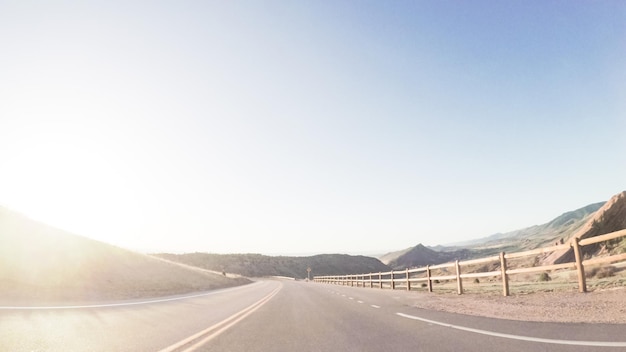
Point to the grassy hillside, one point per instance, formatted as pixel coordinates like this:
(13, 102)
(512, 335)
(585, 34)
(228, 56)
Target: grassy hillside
(39, 263)
(257, 265)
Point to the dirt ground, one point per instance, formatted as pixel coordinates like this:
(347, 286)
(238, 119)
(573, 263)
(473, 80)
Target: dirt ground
(599, 306)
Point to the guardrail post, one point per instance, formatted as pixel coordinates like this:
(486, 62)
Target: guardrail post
(459, 282)
(430, 283)
(393, 284)
(408, 283)
(505, 277)
(371, 283)
(582, 283)
(380, 279)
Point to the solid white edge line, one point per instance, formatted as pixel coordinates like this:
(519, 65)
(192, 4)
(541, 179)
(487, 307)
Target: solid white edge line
(228, 289)
(518, 337)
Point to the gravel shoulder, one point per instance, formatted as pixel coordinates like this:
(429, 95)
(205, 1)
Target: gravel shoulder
(600, 306)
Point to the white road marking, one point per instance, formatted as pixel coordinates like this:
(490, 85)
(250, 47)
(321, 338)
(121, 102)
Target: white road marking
(221, 326)
(132, 303)
(350, 298)
(374, 306)
(360, 302)
(518, 337)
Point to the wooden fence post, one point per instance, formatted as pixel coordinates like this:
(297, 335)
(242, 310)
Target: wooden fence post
(408, 283)
(393, 284)
(505, 277)
(430, 283)
(459, 282)
(582, 283)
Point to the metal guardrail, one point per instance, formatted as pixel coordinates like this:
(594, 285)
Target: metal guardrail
(405, 278)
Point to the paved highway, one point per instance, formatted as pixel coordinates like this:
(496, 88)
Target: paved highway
(287, 316)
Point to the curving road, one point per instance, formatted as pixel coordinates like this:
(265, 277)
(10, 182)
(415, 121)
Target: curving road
(287, 316)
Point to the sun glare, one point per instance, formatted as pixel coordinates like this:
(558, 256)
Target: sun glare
(62, 176)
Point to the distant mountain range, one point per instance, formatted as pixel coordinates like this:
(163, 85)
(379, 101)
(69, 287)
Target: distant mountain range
(562, 226)
(258, 265)
(591, 220)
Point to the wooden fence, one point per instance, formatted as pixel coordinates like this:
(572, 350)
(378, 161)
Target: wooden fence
(408, 277)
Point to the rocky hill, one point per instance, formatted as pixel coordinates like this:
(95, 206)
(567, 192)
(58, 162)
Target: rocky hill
(258, 265)
(40, 264)
(611, 217)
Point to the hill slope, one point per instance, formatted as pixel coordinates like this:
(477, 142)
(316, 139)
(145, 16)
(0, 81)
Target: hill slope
(389, 257)
(257, 265)
(420, 256)
(611, 217)
(561, 228)
(39, 264)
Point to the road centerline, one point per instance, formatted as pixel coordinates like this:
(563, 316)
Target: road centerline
(195, 341)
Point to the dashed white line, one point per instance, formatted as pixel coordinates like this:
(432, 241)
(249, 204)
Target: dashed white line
(359, 302)
(374, 306)
(518, 337)
(350, 298)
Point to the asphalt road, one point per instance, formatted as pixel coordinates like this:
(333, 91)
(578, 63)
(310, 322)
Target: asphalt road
(288, 316)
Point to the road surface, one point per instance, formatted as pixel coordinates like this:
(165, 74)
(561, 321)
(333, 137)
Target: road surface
(289, 316)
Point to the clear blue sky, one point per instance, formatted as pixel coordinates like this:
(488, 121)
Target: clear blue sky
(309, 126)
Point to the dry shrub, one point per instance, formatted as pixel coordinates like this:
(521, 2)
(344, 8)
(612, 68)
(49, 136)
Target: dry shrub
(600, 272)
(605, 271)
(544, 277)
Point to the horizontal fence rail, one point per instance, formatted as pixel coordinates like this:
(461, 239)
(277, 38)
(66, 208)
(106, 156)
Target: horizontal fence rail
(405, 279)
